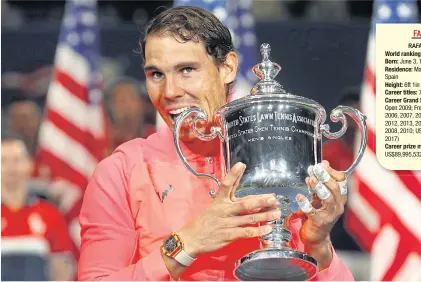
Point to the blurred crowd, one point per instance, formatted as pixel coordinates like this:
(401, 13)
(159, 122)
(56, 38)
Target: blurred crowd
(38, 240)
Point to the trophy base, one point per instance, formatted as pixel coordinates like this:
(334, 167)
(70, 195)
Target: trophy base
(276, 264)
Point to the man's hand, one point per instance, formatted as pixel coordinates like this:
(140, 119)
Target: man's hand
(221, 223)
(327, 205)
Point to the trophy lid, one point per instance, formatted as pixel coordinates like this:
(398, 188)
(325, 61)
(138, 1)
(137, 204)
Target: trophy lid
(266, 71)
(267, 90)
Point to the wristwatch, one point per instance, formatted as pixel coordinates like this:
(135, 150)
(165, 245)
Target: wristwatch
(173, 247)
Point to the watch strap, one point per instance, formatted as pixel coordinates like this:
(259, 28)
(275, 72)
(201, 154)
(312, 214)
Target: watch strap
(183, 258)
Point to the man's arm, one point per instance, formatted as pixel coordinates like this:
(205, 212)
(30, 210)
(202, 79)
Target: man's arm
(109, 240)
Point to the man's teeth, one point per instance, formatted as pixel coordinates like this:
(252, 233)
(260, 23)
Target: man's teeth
(179, 111)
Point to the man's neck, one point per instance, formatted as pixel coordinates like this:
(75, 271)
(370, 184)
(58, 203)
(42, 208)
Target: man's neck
(14, 197)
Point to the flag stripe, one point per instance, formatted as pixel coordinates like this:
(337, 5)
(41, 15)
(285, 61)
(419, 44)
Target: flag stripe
(72, 135)
(364, 237)
(365, 212)
(62, 170)
(67, 149)
(77, 134)
(387, 189)
(410, 270)
(398, 260)
(386, 242)
(74, 64)
(77, 90)
(408, 178)
(371, 80)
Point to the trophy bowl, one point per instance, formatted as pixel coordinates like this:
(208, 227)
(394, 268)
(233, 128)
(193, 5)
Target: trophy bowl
(277, 135)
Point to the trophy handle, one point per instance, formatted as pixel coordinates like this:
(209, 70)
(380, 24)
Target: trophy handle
(338, 114)
(215, 131)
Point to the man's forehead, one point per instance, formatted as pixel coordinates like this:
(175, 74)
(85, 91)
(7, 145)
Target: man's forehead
(173, 49)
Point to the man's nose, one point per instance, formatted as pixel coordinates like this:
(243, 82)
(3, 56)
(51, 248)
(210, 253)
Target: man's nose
(172, 90)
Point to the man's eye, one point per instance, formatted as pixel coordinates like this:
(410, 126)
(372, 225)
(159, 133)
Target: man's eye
(187, 70)
(156, 75)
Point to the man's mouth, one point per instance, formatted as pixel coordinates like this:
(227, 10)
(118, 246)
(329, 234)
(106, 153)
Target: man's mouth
(175, 114)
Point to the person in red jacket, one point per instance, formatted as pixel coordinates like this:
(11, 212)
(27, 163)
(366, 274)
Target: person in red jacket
(35, 241)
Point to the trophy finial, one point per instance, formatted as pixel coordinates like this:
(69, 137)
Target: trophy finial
(265, 51)
(266, 71)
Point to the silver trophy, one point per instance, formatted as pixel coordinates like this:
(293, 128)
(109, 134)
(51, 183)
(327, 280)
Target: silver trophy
(278, 136)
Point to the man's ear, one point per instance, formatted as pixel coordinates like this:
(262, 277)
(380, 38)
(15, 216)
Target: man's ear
(230, 68)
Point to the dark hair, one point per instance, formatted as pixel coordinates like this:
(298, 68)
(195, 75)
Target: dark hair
(192, 23)
(188, 23)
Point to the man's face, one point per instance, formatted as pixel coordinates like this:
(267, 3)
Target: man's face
(15, 164)
(180, 75)
(25, 118)
(126, 102)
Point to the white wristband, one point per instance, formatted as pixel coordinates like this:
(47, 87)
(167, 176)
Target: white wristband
(183, 258)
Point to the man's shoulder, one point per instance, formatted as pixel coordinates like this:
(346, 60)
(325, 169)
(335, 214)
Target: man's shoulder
(156, 146)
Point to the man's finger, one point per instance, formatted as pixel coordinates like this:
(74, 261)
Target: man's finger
(263, 196)
(341, 178)
(321, 172)
(249, 232)
(254, 218)
(230, 180)
(320, 189)
(247, 206)
(305, 205)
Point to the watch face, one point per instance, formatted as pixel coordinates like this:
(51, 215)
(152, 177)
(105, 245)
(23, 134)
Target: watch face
(170, 244)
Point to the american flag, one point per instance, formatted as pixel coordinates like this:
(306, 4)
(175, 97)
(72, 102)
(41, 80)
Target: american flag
(238, 17)
(385, 206)
(72, 134)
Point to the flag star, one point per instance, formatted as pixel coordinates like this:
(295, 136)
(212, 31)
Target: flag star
(237, 42)
(220, 13)
(233, 22)
(85, 2)
(384, 12)
(88, 18)
(88, 36)
(69, 22)
(247, 20)
(404, 11)
(249, 39)
(73, 38)
(240, 58)
(251, 75)
(245, 4)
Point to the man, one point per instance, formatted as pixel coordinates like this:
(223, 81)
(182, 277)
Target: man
(35, 242)
(143, 195)
(129, 111)
(24, 118)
